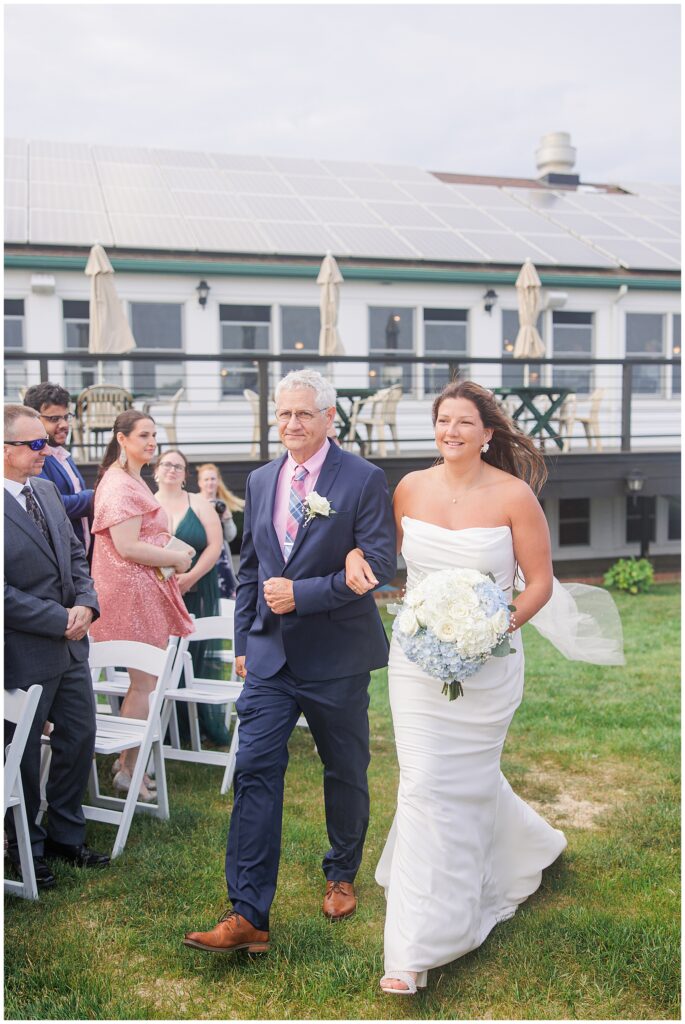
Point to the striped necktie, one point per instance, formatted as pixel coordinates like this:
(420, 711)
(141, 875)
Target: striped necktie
(295, 509)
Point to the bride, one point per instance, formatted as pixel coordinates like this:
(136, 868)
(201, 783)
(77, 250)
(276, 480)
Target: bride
(463, 850)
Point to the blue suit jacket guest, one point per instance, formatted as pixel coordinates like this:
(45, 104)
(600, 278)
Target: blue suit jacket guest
(77, 506)
(333, 632)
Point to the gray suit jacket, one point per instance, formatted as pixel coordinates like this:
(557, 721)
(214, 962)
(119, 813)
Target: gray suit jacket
(40, 584)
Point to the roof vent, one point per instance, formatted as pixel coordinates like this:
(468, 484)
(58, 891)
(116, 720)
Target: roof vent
(555, 158)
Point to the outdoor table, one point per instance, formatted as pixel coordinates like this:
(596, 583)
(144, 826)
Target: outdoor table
(541, 417)
(348, 404)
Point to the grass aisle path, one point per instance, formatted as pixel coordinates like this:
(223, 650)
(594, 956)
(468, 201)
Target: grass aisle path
(595, 750)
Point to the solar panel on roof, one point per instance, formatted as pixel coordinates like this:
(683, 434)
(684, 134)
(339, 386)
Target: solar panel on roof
(503, 248)
(671, 249)
(342, 211)
(16, 147)
(211, 204)
(569, 251)
(130, 175)
(372, 189)
(239, 162)
(278, 208)
(202, 179)
(373, 241)
(61, 150)
(123, 154)
(440, 245)
(80, 228)
(302, 239)
(218, 235)
(638, 227)
(257, 183)
(16, 168)
(295, 165)
(140, 200)
(464, 217)
(179, 158)
(407, 215)
(427, 192)
(636, 255)
(351, 169)
(16, 193)
(522, 220)
(16, 226)
(151, 232)
(56, 196)
(580, 223)
(68, 172)
(327, 187)
(670, 224)
(404, 174)
(485, 196)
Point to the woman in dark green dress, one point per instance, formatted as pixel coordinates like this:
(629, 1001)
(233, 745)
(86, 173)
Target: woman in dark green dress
(194, 520)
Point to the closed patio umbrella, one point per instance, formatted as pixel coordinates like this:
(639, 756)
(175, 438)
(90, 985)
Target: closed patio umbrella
(109, 330)
(329, 280)
(529, 344)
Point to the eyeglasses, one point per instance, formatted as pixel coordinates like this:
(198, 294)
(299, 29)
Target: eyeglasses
(68, 417)
(301, 417)
(178, 466)
(35, 446)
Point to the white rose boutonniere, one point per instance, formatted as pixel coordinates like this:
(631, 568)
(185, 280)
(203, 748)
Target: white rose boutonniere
(316, 505)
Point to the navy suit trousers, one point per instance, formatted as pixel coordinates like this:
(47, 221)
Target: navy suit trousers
(337, 714)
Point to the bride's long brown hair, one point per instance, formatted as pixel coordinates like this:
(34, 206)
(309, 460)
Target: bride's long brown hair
(510, 449)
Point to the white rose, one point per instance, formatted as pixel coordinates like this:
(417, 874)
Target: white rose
(318, 505)
(500, 620)
(407, 623)
(445, 630)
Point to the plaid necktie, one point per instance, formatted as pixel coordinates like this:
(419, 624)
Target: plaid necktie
(295, 510)
(36, 513)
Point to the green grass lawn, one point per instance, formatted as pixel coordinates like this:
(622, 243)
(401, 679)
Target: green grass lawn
(594, 749)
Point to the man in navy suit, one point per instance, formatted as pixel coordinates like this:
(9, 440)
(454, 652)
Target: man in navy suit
(51, 402)
(305, 643)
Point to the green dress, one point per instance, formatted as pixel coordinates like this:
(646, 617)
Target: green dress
(201, 601)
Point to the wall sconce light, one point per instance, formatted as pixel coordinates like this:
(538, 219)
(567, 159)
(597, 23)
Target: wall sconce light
(635, 481)
(202, 293)
(489, 300)
(299, 345)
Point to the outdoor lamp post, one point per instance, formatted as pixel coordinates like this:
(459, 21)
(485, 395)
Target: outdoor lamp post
(635, 482)
(202, 293)
(489, 300)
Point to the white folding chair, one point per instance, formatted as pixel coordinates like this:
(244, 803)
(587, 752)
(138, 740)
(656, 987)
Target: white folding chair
(20, 708)
(115, 734)
(198, 690)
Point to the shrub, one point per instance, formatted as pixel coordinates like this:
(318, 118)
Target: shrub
(634, 575)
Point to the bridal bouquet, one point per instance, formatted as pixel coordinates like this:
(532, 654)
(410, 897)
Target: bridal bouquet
(451, 623)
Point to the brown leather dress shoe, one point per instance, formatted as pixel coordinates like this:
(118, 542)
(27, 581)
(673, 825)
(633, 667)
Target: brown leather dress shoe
(339, 901)
(231, 933)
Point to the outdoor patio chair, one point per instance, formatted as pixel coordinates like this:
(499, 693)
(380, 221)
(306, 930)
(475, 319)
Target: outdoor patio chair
(199, 690)
(115, 734)
(97, 407)
(590, 420)
(383, 414)
(169, 425)
(253, 398)
(566, 421)
(20, 708)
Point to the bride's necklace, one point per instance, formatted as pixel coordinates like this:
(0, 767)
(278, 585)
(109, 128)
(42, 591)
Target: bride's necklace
(465, 491)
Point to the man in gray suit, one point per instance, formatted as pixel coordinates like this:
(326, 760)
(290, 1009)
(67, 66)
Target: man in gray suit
(50, 603)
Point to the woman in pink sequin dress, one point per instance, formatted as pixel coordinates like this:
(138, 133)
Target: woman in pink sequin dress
(130, 529)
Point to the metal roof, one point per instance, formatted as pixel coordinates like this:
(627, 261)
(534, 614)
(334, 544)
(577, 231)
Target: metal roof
(72, 194)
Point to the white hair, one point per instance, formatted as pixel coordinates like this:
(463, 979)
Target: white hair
(324, 391)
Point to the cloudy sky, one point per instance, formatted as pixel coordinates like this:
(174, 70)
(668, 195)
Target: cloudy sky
(455, 87)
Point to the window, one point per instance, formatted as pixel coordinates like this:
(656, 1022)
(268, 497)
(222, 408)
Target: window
(674, 519)
(635, 506)
(675, 370)
(572, 337)
(512, 373)
(574, 521)
(300, 327)
(243, 329)
(156, 327)
(445, 336)
(80, 375)
(15, 370)
(391, 329)
(645, 338)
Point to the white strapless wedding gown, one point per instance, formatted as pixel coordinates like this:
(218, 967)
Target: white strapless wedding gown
(463, 850)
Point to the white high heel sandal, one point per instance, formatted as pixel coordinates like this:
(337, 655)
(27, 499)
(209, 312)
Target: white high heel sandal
(413, 984)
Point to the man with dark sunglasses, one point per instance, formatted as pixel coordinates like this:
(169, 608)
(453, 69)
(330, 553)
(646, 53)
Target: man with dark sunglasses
(51, 402)
(50, 602)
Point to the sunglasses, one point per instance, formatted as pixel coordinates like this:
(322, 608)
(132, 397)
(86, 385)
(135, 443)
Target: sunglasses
(35, 446)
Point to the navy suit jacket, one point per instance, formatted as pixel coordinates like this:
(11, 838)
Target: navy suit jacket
(77, 505)
(40, 584)
(333, 632)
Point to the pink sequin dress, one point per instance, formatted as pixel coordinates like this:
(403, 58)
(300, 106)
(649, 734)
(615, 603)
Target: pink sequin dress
(134, 603)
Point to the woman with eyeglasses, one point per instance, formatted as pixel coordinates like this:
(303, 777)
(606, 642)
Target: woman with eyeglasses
(194, 520)
(131, 529)
(226, 503)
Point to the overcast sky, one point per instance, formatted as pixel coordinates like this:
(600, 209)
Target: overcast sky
(454, 87)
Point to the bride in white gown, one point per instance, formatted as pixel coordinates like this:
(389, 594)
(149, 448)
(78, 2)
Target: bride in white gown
(463, 850)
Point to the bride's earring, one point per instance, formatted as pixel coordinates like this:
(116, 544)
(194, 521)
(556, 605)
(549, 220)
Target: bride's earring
(485, 448)
(123, 458)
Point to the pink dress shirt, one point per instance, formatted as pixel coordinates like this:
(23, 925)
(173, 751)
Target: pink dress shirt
(61, 454)
(285, 477)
